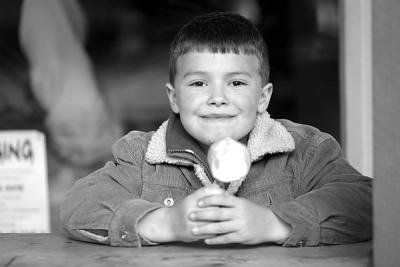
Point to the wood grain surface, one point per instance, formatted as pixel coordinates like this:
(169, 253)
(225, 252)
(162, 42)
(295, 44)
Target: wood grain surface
(57, 250)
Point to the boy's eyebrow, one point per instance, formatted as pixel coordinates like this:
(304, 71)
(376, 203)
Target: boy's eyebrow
(194, 73)
(239, 73)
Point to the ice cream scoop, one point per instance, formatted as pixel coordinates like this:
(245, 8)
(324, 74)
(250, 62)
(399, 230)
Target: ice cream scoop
(229, 160)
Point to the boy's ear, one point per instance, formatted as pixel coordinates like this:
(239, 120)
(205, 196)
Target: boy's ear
(172, 97)
(266, 93)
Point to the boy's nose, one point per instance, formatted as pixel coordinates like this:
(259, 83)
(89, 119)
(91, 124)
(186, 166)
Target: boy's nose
(218, 97)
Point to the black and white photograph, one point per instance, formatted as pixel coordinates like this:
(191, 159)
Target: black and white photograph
(199, 133)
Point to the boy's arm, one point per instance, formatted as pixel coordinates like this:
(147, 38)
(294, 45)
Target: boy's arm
(105, 206)
(334, 205)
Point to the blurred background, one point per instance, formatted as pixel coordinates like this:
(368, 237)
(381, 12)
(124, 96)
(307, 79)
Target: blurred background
(127, 44)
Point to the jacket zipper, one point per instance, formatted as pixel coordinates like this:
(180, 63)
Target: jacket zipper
(205, 166)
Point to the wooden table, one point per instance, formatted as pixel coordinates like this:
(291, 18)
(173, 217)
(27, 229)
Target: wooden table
(57, 250)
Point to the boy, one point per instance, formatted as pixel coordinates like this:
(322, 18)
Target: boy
(300, 191)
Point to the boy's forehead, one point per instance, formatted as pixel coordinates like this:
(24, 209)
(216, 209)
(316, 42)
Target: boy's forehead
(204, 61)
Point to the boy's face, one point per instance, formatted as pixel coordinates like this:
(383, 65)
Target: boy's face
(218, 95)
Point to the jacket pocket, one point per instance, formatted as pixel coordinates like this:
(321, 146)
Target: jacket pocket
(166, 195)
(268, 194)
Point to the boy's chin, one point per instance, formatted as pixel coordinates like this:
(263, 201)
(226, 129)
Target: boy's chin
(207, 138)
(213, 139)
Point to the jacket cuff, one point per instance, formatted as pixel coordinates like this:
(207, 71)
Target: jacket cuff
(305, 230)
(122, 230)
(96, 237)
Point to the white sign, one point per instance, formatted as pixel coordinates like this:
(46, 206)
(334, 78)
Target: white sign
(24, 206)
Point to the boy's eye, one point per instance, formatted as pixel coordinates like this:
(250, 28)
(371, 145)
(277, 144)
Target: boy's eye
(237, 83)
(197, 83)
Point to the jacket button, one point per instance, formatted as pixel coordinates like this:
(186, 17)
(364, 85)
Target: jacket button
(169, 202)
(124, 235)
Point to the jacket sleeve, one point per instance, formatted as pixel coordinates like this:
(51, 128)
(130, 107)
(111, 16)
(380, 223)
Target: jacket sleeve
(334, 203)
(105, 206)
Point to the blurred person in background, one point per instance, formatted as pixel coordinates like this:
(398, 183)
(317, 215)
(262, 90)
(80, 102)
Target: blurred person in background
(52, 34)
(77, 119)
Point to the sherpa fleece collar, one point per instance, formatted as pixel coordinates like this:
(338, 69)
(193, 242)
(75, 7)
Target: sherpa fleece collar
(267, 137)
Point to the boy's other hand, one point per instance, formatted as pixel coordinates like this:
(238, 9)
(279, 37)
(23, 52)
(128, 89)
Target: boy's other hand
(182, 224)
(174, 223)
(229, 219)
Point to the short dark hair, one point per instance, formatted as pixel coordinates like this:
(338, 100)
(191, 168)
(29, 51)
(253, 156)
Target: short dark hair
(219, 32)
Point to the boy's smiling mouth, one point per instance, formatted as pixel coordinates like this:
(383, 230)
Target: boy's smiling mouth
(218, 116)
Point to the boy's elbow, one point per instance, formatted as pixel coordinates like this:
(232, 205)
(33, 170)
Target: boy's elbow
(71, 210)
(65, 213)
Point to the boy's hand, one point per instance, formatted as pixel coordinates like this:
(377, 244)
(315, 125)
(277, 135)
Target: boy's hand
(229, 219)
(174, 223)
(182, 224)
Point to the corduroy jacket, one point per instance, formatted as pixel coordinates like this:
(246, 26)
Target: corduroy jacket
(297, 171)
